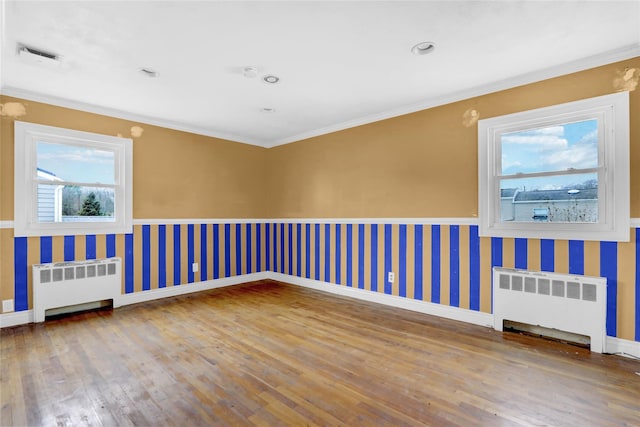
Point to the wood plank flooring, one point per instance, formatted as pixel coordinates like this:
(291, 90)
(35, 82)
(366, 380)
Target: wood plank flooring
(267, 354)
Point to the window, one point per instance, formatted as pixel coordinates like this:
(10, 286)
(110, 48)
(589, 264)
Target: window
(557, 172)
(71, 182)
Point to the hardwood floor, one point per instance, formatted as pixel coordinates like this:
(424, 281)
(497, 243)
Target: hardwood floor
(266, 353)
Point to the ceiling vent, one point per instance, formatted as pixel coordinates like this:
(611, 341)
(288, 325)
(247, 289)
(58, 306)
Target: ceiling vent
(38, 56)
(149, 72)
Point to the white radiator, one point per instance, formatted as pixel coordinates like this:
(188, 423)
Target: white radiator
(66, 284)
(569, 303)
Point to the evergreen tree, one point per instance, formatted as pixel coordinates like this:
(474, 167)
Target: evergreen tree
(91, 206)
(71, 200)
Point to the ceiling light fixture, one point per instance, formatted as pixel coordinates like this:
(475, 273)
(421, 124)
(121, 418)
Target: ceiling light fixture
(423, 48)
(149, 72)
(271, 79)
(268, 110)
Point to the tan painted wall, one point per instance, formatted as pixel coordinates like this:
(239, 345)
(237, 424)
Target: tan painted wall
(417, 165)
(422, 164)
(175, 174)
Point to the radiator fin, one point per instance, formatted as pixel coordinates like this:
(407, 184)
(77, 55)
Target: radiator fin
(589, 292)
(544, 286)
(530, 285)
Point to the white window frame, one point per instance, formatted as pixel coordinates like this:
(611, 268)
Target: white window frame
(612, 112)
(26, 138)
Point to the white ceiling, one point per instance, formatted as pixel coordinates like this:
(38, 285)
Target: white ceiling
(341, 63)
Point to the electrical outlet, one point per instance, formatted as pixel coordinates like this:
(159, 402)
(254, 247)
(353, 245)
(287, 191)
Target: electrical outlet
(194, 267)
(7, 306)
(391, 277)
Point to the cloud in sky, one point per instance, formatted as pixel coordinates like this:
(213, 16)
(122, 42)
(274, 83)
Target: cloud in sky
(74, 154)
(554, 148)
(506, 164)
(77, 164)
(539, 139)
(551, 130)
(583, 154)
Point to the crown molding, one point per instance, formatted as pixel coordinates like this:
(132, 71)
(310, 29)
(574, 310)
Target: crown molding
(112, 112)
(605, 58)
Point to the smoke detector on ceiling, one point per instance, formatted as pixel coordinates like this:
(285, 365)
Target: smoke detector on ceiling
(38, 56)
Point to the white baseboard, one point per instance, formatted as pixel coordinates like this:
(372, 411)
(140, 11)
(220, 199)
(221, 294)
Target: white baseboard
(16, 318)
(171, 291)
(614, 345)
(623, 347)
(454, 313)
(26, 316)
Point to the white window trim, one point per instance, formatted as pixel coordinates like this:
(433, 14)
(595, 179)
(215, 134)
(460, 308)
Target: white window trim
(26, 186)
(614, 221)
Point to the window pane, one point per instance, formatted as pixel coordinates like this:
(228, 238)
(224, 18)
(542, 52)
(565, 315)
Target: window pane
(553, 148)
(77, 164)
(69, 203)
(565, 198)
